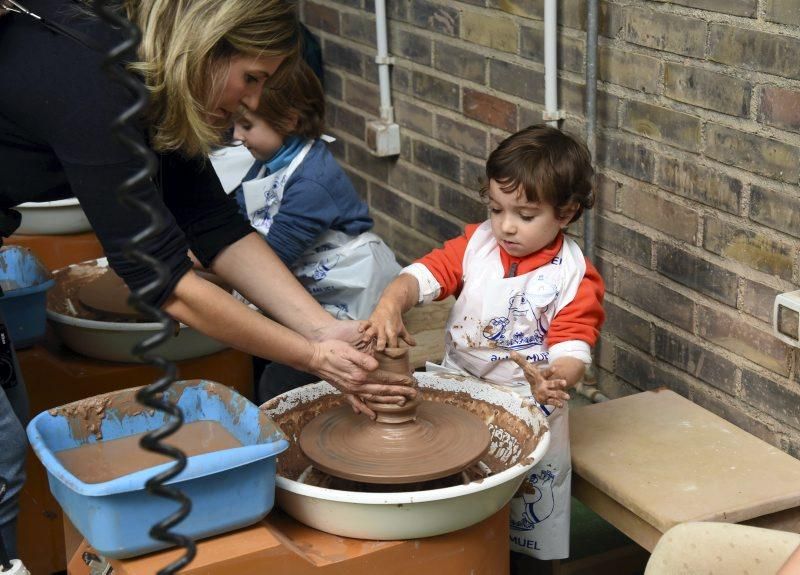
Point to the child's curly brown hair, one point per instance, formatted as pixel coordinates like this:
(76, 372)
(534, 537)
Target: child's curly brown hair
(552, 166)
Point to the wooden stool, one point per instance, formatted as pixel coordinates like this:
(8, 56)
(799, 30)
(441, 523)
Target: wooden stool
(652, 460)
(55, 376)
(279, 544)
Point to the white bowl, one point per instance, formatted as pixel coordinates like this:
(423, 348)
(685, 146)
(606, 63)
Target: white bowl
(52, 218)
(412, 514)
(114, 341)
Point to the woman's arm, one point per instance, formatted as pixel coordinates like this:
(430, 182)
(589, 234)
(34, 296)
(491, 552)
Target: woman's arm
(212, 311)
(253, 269)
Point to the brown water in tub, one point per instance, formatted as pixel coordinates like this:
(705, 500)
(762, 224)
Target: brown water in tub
(107, 460)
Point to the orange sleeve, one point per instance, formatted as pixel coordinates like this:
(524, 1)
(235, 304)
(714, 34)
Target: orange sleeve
(581, 318)
(447, 263)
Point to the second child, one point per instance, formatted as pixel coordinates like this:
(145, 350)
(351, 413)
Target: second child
(298, 197)
(528, 307)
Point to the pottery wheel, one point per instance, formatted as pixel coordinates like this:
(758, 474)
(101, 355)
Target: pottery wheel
(107, 294)
(442, 441)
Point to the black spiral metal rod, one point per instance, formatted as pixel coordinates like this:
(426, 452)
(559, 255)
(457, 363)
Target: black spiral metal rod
(5, 562)
(152, 395)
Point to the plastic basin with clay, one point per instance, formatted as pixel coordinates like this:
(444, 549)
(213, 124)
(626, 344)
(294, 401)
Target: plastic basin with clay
(114, 341)
(52, 218)
(520, 438)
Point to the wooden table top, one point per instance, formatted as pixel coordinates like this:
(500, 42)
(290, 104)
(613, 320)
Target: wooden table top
(670, 461)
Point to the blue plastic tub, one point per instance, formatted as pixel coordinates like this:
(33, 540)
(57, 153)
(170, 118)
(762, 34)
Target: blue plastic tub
(25, 282)
(229, 489)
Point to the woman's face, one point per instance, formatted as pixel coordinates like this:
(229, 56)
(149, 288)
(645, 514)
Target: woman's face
(243, 85)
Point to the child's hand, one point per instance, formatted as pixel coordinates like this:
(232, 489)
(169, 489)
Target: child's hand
(546, 391)
(387, 321)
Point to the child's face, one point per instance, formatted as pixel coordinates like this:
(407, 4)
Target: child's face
(257, 136)
(522, 227)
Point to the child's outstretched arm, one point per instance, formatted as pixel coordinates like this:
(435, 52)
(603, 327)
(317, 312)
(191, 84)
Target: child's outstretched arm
(549, 385)
(387, 317)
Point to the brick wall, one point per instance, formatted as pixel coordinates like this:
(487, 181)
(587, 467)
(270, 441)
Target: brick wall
(698, 217)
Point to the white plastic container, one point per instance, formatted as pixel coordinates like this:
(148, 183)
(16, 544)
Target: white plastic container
(114, 341)
(52, 218)
(413, 514)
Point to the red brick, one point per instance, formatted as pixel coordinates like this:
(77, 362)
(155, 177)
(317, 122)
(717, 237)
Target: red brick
(490, 109)
(780, 107)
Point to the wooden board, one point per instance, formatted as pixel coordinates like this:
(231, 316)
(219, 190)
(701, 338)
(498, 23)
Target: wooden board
(668, 461)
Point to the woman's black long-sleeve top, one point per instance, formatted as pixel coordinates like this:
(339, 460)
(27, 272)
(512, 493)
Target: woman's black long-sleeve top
(56, 109)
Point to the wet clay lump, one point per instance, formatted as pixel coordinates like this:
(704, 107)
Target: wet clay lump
(107, 460)
(418, 441)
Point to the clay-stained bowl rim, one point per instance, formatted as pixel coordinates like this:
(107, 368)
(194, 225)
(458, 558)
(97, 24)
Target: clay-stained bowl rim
(97, 324)
(475, 388)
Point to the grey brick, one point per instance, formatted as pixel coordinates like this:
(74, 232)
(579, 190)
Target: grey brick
(667, 32)
(699, 183)
(663, 125)
(764, 156)
(625, 156)
(780, 400)
(754, 50)
(776, 210)
(459, 62)
(412, 182)
(653, 297)
(436, 90)
(434, 225)
(707, 89)
(441, 162)
(627, 326)
(436, 17)
(627, 243)
(695, 359)
(744, 339)
(516, 80)
(464, 206)
(697, 273)
(753, 249)
(461, 136)
(745, 8)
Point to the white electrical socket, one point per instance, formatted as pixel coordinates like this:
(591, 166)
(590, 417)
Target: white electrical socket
(383, 138)
(786, 317)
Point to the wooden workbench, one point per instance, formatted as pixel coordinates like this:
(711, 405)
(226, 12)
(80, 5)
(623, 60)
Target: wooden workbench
(652, 460)
(279, 544)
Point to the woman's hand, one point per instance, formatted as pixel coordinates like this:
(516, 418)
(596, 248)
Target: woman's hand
(355, 373)
(387, 321)
(545, 390)
(358, 333)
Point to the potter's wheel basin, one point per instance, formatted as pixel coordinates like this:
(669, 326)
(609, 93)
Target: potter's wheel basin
(519, 439)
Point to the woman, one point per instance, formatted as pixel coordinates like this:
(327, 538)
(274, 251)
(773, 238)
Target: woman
(201, 60)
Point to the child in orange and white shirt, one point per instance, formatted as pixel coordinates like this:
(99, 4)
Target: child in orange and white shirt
(528, 307)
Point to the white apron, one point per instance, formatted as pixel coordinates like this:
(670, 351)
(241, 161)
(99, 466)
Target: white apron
(345, 274)
(492, 316)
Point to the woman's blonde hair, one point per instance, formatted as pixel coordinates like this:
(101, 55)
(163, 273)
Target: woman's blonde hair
(185, 54)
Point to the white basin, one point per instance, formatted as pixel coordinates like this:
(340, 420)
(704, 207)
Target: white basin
(411, 514)
(52, 218)
(114, 341)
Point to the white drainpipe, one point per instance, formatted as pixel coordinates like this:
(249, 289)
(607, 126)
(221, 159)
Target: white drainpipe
(383, 136)
(551, 112)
